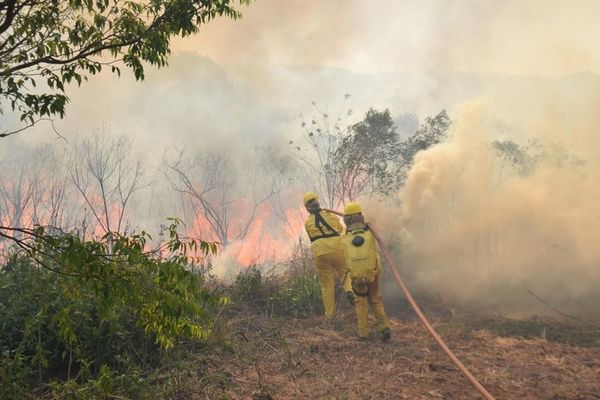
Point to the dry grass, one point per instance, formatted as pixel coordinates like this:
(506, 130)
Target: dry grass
(310, 358)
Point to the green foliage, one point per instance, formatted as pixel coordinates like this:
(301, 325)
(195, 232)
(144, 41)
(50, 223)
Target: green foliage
(433, 131)
(58, 42)
(249, 289)
(300, 296)
(98, 312)
(525, 159)
(366, 158)
(109, 383)
(296, 294)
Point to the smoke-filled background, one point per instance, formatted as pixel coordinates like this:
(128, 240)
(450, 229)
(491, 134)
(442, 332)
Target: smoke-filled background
(499, 229)
(505, 207)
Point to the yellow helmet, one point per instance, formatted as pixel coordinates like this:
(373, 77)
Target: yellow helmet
(308, 197)
(352, 208)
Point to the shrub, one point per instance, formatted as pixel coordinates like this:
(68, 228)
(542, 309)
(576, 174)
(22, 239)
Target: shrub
(92, 316)
(291, 290)
(299, 296)
(249, 289)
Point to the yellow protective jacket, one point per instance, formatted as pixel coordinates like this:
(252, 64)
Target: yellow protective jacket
(361, 254)
(324, 230)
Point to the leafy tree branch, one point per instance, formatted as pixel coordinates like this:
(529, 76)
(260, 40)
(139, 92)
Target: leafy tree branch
(57, 42)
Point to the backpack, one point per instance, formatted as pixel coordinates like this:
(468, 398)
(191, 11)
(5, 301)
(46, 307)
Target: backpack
(361, 254)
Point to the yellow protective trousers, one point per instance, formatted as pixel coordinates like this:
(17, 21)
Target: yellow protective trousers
(361, 305)
(328, 266)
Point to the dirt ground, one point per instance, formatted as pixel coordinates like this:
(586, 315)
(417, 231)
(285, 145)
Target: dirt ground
(279, 358)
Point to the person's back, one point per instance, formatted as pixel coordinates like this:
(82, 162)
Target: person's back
(361, 253)
(364, 268)
(324, 229)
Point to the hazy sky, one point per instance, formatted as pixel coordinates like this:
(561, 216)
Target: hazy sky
(251, 78)
(531, 37)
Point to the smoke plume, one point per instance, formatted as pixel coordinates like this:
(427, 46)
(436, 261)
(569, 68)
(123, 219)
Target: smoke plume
(478, 228)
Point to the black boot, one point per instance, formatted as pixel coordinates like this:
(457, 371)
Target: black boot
(386, 334)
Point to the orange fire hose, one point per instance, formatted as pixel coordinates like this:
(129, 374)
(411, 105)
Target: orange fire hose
(486, 395)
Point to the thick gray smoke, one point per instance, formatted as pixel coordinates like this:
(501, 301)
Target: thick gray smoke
(476, 227)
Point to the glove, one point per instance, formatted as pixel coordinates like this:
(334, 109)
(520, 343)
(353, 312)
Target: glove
(350, 297)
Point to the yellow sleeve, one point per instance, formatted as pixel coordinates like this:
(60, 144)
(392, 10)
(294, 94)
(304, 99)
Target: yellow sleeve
(309, 226)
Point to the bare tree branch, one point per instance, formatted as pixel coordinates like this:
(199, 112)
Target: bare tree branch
(212, 193)
(103, 172)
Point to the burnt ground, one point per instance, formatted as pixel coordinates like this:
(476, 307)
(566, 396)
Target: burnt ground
(277, 358)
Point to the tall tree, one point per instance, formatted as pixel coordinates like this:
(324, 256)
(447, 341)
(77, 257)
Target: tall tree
(433, 130)
(322, 137)
(362, 159)
(46, 44)
(365, 155)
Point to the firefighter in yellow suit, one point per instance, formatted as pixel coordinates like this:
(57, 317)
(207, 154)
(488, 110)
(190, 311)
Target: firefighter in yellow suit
(324, 230)
(364, 269)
